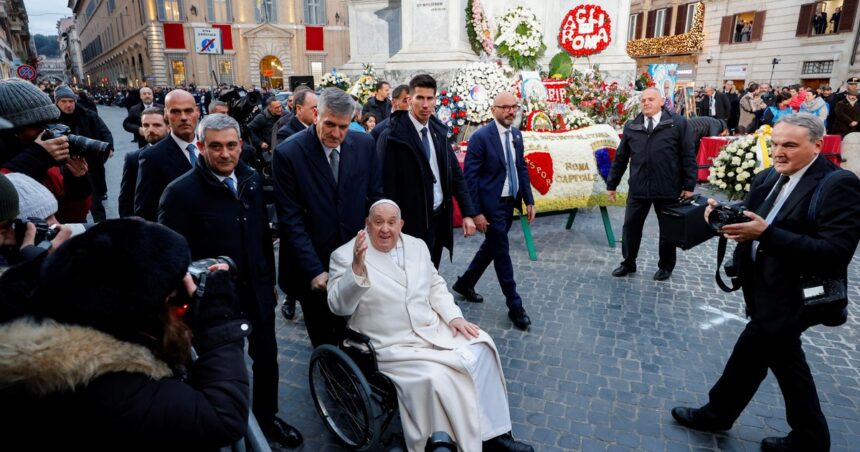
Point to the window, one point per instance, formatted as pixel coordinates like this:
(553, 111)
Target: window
(659, 22)
(817, 67)
(225, 71)
(111, 5)
(91, 9)
(691, 11)
(742, 28)
(170, 10)
(316, 68)
(315, 12)
(826, 17)
(177, 69)
(631, 29)
(220, 10)
(266, 11)
(142, 11)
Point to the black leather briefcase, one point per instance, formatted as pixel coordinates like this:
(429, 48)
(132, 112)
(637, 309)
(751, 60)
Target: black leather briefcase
(683, 224)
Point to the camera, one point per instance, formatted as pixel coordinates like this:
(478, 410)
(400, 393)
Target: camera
(200, 268)
(242, 103)
(44, 232)
(78, 145)
(723, 214)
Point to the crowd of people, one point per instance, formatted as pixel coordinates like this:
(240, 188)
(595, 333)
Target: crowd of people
(361, 202)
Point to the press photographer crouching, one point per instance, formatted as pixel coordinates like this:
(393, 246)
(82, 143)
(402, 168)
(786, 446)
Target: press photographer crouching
(103, 357)
(48, 158)
(797, 231)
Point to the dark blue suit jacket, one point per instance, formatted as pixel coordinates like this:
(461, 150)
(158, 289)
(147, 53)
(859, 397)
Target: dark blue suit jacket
(485, 169)
(315, 214)
(159, 166)
(128, 185)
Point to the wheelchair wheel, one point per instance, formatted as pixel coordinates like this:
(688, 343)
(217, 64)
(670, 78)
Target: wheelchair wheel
(343, 399)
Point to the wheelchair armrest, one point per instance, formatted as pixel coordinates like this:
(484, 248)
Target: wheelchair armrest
(355, 336)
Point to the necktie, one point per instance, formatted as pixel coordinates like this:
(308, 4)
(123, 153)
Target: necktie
(650, 125)
(512, 166)
(713, 111)
(191, 155)
(231, 185)
(334, 161)
(771, 198)
(426, 141)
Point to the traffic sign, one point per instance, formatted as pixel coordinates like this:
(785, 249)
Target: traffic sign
(26, 72)
(208, 40)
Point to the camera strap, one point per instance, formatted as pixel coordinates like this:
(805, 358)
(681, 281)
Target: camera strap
(721, 254)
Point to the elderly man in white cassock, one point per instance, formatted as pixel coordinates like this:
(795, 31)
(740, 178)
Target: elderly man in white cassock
(446, 370)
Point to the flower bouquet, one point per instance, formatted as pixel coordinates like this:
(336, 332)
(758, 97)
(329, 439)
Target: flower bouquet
(736, 164)
(365, 86)
(451, 110)
(644, 81)
(334, 79)
(478, 84)
(519, 38)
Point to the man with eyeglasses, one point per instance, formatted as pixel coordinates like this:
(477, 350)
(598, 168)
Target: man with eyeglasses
(498, 182)
(305, 104)
(421, 174)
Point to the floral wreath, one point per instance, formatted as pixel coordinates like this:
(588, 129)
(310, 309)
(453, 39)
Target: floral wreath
(334, 79)
(736, 164)
(478, 84)
(365, 86)
(519, 38)
(451, 110)
(569, 26)
(478, 28)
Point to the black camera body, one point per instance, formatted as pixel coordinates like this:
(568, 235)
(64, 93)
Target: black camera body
(723, 214)
(78, 145)
(200, 268)
(242, 103)
(44, 232)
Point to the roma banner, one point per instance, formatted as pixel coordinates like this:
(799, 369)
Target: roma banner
(568, 170)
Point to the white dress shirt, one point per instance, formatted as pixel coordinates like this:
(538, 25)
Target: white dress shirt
(654, 119)
(781, 197)
(502, 129)
(184, 146)
(434, 163)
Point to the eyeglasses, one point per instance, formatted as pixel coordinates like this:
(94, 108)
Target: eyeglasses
(507, 107)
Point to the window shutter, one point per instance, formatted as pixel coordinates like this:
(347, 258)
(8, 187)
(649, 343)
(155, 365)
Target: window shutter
(804, 19)
(229, 11)
(649, 30)
(181, 10)
(667, 22)
(210, 10)
(639, 19)
(726, 29)
(681, 19)
(161, 12)
(849, 10)
(758, 26)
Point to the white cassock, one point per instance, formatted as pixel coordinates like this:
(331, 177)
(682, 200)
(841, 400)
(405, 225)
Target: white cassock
(446, 383)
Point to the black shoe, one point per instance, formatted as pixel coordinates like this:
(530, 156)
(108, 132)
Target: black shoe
(288, 309)
(283, 433)
(468, 293)
(662, 275)
(779, 444)
(623, 270)
(506, 443)
(697, 419)
(520, 318)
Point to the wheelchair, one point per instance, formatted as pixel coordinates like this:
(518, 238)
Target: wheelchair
(355, 401)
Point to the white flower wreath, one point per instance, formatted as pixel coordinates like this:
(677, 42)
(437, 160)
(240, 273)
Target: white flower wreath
(478, 84)
(519, 38)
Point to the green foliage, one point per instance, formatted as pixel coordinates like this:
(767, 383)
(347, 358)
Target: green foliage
(47, 45)
(561, 65)
(470, 30)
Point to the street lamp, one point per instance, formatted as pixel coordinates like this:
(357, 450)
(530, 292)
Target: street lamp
(773, 63)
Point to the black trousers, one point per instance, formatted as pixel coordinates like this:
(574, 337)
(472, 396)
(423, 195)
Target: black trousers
(322, 325)
(634, 221)
(263, 350)
(755, 352)
(438, 226)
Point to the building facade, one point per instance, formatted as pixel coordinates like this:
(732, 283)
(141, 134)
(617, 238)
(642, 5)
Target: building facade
(70, 50)
(778, 41)
(16, 45)
(206, 42)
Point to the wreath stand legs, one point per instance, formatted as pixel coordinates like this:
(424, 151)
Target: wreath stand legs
(607, 224)
(527, 230)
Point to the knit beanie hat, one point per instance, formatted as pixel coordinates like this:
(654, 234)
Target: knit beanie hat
(115, 277)
(34, 199)
(8, 199)
(63, 91)
(23, 104)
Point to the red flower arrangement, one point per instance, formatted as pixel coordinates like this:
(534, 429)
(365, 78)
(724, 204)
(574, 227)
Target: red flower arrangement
(585, 30)
(451, 110)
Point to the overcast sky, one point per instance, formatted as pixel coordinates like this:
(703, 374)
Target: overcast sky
(44, 15)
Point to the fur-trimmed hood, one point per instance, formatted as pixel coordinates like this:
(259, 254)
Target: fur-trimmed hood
(45, 357)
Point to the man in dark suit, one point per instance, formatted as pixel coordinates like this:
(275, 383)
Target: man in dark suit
(400, 100)
(421, 174)
(498, 181)
(171, 157)
(132, 123)
(715, 104)
(777, 247)
(154, 128)
(219, 208)
(305, 102)
(659, 147)
(325, 180)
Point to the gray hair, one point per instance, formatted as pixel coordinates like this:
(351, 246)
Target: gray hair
(656, 91)
(337, 102)
(812, 123)
(217, 103)
(217, 121)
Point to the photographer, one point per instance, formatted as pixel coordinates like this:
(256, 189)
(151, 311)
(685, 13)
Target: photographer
(261, 125)
(87, 124)
(783, 241)
(107, 365)
(26, 149)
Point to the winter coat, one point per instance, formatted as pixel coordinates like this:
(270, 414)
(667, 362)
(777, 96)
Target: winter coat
(380, 109)
(87, 123)
(843, 116)
(261, 128)
(662, 163)
(750, 105)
